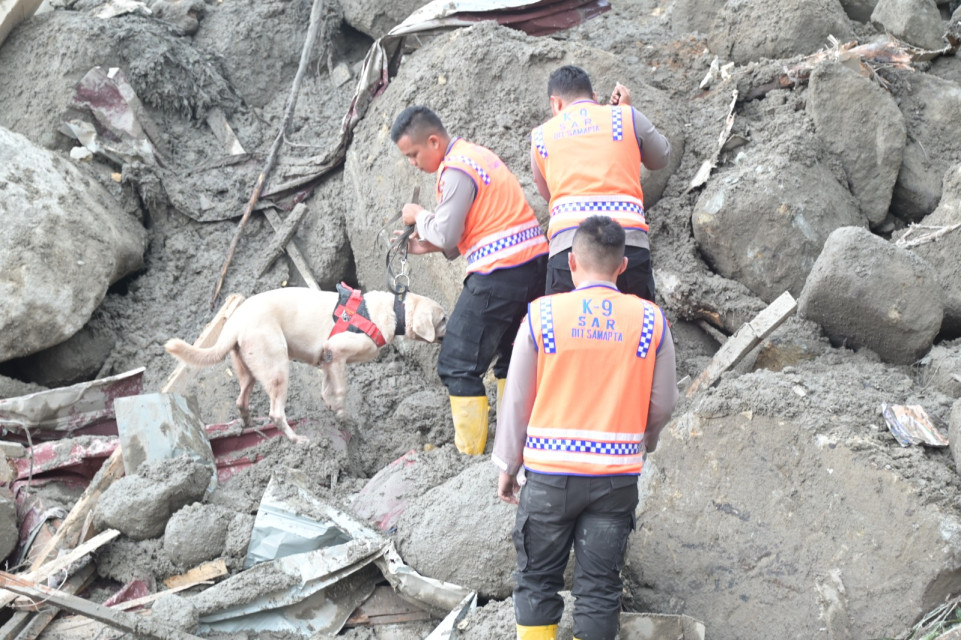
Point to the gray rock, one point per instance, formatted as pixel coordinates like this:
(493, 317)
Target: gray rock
(78, 358)
(840, 101)
(694, 15)
(376, 18)
(931, 107)
(749, 30)
(866, 292)
(64, 241)
(942, 253)
(197, 533)
(139, 506)
(941, 369)
(322, 236)
(954, 434)
(9, 527)
(917, 22)
(745, 514)
(761, 223)
(176, 612)
(460, 532)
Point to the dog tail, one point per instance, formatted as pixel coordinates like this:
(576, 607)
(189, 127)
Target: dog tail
(201, 356)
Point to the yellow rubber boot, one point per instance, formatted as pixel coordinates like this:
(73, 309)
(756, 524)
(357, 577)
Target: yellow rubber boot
(470, 423)
(501, 383)
(545, 632)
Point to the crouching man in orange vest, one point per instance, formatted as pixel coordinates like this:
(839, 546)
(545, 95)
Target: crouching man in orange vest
(592, 383)
(481, 214)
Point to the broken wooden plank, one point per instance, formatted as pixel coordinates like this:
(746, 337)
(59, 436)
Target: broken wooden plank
(208, 337)
(29, 624)
(62, 562)
(140, 627)
(200, 573)
(744, 340)
(295, 255)
(282, 237)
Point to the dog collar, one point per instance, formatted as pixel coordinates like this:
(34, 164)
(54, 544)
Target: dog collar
(351, 315)
(400, 313)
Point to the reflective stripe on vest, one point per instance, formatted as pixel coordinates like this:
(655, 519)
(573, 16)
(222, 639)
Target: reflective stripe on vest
(590, 160)
(593, 344)
(501, 229)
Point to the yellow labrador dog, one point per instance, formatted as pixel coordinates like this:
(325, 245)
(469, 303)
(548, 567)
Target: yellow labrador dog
(270, 329)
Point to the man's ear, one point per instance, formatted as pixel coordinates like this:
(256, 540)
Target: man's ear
(623, 266)
(423, 324)
(572, 261)
(556, 105)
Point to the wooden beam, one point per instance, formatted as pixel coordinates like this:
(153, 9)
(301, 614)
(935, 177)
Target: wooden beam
(62, 562)
(131, 623)
(744, 340)
(295, 255)
(28, 625)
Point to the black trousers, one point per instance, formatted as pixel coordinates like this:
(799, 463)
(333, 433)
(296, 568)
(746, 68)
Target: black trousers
(638, 278)
(484, 323)
(596, 516)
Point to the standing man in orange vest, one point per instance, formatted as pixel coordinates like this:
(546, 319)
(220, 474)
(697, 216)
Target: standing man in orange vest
(587, 160)
(592, 383)
(481, 214)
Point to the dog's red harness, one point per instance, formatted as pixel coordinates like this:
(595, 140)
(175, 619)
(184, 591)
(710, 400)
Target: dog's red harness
(351, 315)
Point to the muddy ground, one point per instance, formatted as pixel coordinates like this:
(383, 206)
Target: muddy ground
(488, 84)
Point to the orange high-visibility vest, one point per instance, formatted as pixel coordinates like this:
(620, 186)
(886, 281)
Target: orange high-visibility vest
(589, 157)
(595, 367)
(501, 229)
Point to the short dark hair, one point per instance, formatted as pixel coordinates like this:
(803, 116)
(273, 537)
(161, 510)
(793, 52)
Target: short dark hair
(570, 82)
(599, 243)
(417, 122)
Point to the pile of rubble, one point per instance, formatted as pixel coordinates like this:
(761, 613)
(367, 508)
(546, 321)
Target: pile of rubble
(805, 237)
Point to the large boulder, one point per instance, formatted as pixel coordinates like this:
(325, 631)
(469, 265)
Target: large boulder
(376, 18)
(65, 239)
(866, 292)
(939, 243)
(840, 101)
(764, 220)
(931, 108)
(917, 22)
(693, 15)
(379, 180)
(742, 516)
(460, 532)
(749, 30)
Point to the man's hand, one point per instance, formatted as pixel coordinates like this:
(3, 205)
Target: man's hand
(621, 95)
(415, 246)
(650, 442)
(507, 488)
(410, 211)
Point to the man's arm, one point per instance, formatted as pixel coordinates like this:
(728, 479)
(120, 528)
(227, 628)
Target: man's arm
(517, 404)
(444, 227)
(655, 147)
(539, 179)
(663, 392)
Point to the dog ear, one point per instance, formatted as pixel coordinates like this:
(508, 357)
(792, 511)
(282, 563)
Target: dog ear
(423, 323)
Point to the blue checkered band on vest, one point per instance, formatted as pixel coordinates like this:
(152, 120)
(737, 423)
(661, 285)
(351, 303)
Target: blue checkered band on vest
(476, 167)
(503, 243)
(597, 206)
(538, 137)
(584, 446)
(547, 326)
(617, 124)
(647, 332)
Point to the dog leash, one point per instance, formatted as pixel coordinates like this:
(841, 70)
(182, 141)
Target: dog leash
(398, 282)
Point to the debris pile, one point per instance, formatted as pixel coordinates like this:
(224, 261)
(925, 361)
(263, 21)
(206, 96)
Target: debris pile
(806, 242)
